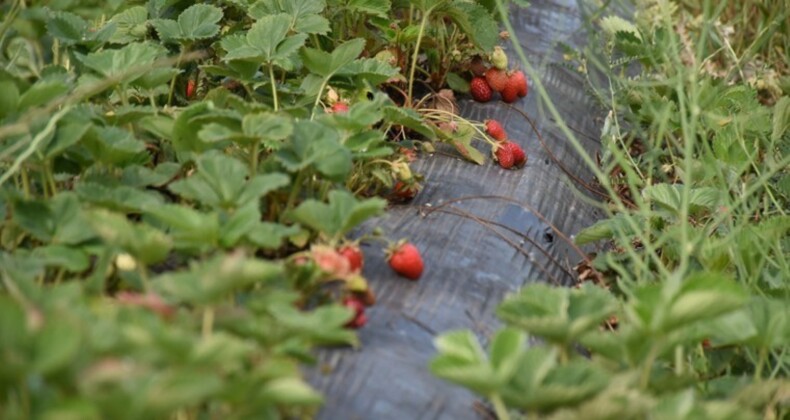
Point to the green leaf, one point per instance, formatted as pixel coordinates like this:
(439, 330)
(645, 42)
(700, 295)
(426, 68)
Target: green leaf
(462, 360)
(139, 56)
(174, 388)
(457, 83)
(378, 8)
(368, 70)
(220, 181)
(290, 391)
(199, 21)
(56, 345)
(191, 230)
(304, 14)
(213, 280)
(41, 92)
(67, 27)
(119, 198)
(239, 224)
(338, 217)
(146, 244)
(476, 22)
(326, 64)
(318, 145)
(9, 100)
(270, 235)
(506, 351)
(781, 119)
(607, 229)
(409, 119)
(114, 146)
(71, 259)
(704, 296)
(131, 25)
(557, 314)
(615, 24)
(267, 126)
(68, 134)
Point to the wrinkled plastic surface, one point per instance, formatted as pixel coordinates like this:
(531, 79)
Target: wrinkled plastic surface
(476, 250)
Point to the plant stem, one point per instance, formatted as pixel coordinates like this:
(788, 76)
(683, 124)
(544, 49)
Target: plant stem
(274, 87)
(318, 98)
(423, 23)
(254, 151)
(173, 80)
(499, 407)
(208, 322)
(295, 188)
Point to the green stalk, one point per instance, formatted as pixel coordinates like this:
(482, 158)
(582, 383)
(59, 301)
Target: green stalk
(499, 407)
(208, 322)
(274, 86)
(254, 151)
(423, 23)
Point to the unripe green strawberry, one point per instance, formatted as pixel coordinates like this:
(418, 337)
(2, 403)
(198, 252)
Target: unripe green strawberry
(499, 58)
(406, 261)
(495, 130)
(497, 79)
(480, 90)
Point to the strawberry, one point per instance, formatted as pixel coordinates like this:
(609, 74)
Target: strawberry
(499, 58)
(519, 157)
(509, 93)
(354, 256)
(190, 91)
(405, 191)
(358, 307)
(406, 261)
(518, 79)
(479, 89)
(477, 66)
(339, 108)
(367, 297)
(510, 155)
(495, 130)
(504, 156)
(497, 79)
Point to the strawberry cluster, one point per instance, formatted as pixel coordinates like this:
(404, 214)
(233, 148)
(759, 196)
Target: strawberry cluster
(508, 153)
(510, 84)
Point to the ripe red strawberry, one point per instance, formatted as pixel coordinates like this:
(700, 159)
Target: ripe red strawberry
(495, 130)
(519, 157)
(497, 79)
(504, 156)
(480, 90)
(354, 256)
(358, 307)
(405, 191)
(511, 155)
(509, 93)
(339, 108)
(406, 261)
(190, 90)
(520, 81)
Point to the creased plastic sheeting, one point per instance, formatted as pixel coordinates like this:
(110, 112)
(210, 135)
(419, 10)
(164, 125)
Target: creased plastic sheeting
(469, 267)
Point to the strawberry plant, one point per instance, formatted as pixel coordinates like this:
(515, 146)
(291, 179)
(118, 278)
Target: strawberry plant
(179, 181)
